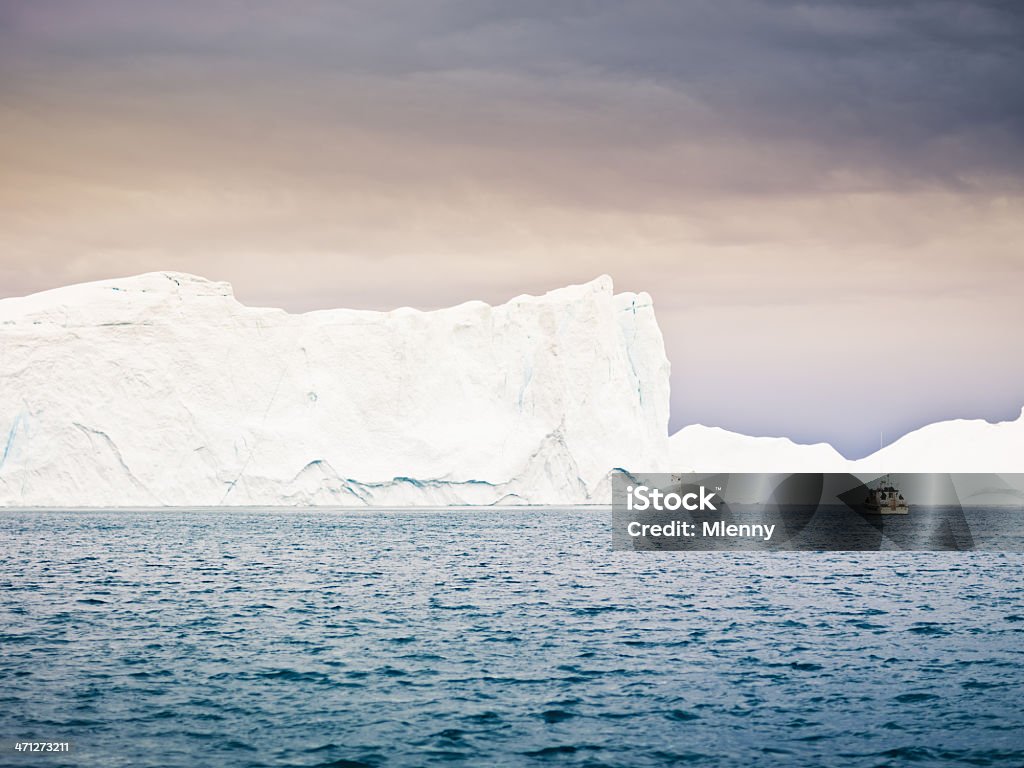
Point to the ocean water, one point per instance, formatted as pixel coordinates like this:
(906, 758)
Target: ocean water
(491, 638)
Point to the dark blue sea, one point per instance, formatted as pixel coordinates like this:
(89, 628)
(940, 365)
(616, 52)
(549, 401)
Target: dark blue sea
(491, 638)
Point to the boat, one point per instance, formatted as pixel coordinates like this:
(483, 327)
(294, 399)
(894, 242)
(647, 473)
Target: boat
(886, 499)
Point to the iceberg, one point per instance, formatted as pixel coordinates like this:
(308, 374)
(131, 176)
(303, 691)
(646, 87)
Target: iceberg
(164, 390)
(959, 445)
(697, 448)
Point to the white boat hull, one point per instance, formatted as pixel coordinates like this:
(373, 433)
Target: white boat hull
(898, 510)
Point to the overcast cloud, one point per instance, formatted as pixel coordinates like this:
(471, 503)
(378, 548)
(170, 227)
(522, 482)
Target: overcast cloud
(797, 184)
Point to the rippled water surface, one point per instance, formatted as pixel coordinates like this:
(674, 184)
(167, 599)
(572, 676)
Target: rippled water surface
(514, 637)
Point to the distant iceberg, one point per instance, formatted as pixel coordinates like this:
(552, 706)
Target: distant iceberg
(948, 446)
(163, 389)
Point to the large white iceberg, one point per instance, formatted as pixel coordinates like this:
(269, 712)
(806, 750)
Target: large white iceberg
(163, 389)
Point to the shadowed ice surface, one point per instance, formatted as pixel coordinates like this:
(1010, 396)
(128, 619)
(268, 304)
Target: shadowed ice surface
(500, 637)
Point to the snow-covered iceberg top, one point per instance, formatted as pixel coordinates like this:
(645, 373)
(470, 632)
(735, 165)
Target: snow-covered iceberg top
(163, 389)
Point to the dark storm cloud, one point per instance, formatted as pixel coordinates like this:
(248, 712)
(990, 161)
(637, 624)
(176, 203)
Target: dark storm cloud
(843, 93)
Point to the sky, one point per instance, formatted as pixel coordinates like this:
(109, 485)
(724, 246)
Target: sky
(825, 199)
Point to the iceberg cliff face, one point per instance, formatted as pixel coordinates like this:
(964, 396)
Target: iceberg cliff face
(163, 389)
